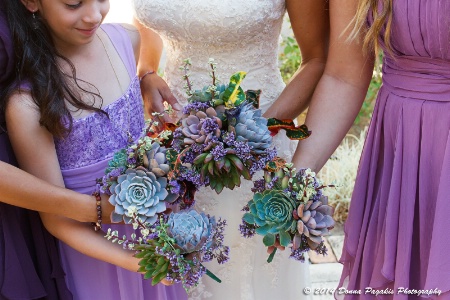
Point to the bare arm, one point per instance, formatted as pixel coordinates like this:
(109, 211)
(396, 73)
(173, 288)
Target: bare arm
(154, 89)
(340, 92)
(21, 189)
(310, 23)
(36, 154)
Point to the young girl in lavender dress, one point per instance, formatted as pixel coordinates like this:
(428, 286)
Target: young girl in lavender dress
(80, 97)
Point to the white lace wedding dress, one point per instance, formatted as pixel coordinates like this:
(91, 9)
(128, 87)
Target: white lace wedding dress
(240, 36)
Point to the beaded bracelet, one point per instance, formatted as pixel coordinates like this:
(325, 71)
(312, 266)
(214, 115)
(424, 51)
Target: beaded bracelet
(98, 201)
(145, 74)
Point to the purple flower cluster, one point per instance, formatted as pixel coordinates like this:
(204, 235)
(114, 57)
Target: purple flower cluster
(209, 125)
(192, 176)
(229, 138)
(195, 106)
(298, 254)
(260, 163)
(108, 179)
(217, 250)
(131, 161)
(247, 230)
(258, 186)
(218, 151)
(243, 150)
(174, 186)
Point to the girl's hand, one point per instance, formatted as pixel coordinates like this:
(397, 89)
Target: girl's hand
(155, 92)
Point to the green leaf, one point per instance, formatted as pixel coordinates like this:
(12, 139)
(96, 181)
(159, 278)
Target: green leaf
(285, 238)
(214, 277)
(148, 275)
(269, 240)
(200, 159)
(249, 218)
(227, 165)
(236, 178)
(219, 187)
(157, 279)
(270, 258)
(261, 223)
(234, 95)
(211, 167)
(161, 260)
(252, 96)
(263, 230)
(140, 254)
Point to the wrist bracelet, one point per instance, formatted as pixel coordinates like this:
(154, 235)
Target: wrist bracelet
(145, 74)
(98, 202)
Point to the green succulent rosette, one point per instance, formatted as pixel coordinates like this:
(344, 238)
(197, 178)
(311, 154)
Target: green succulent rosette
(271, 212)
(289, 209)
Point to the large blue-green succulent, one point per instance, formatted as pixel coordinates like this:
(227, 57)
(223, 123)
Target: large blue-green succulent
(191, 230)
(271, 211)
(138, 192)
(251, 127)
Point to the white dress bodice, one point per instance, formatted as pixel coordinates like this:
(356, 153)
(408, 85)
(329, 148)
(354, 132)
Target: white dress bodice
(239, 35)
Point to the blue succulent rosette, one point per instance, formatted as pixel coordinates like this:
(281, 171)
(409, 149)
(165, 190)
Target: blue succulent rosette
(288, 208)
(176, 246)
(222, 136)
(138, 192)
(137, 179)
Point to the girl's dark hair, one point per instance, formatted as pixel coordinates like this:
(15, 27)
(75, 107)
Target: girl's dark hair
(38, 66)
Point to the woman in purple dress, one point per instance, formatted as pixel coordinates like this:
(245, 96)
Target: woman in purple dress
(396, 235)
(75, 123)
(29, 261)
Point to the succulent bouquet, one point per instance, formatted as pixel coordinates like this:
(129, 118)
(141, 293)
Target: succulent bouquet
(175, 247)
(288, 208)
(170, 245)
(222, 135)
(137, 178)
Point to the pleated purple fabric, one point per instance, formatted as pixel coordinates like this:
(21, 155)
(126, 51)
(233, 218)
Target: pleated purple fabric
(397, 232)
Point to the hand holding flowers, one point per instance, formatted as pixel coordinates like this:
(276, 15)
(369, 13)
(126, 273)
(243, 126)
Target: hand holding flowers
(174, 248)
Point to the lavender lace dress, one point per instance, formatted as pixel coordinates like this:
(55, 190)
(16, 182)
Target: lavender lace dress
(397, 232)
(30, 267)
(83, 157)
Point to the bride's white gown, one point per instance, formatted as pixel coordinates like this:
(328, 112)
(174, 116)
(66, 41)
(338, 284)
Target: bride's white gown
(241, 35)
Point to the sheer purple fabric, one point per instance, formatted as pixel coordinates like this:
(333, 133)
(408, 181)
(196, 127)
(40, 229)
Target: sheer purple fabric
(397, 229)
(83, 156)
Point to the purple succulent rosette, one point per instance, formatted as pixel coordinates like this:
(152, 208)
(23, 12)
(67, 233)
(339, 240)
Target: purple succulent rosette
(288, 207)
(136, 179)
(176, 246)
(222, 136)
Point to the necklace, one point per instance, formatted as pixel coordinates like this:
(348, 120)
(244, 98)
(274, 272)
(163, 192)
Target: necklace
(129, 136)
(110, 62)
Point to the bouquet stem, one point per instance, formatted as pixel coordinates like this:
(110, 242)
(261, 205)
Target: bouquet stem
(211, 274)
(270, 258)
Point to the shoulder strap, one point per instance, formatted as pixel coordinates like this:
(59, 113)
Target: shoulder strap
(122, 43)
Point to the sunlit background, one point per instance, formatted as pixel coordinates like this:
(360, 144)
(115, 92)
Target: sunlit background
(120, 12)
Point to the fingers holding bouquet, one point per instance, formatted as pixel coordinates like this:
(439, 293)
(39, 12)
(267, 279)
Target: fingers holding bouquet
(158, 98)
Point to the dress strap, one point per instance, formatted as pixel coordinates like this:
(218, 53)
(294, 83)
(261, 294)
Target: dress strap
(122, 43)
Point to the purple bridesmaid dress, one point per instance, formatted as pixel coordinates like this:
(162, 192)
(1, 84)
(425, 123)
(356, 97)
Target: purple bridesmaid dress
(397, 232)
(29, 257)
(83, 157)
